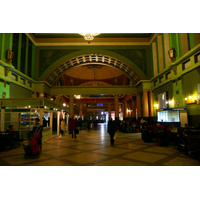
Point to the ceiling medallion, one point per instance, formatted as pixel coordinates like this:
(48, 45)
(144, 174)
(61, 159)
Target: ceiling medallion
(89, 36)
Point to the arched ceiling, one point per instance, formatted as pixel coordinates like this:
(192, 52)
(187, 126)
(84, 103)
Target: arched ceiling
(93, 72)
(92, 76)
(94, 61)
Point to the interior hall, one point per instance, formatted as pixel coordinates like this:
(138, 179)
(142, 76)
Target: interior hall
(146, 84)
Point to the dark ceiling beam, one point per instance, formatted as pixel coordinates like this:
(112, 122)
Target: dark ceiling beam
(80, 90)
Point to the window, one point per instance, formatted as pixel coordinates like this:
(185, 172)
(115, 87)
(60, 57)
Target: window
(14, 77)
(168, 75)
(197, 58)
(162, 100)
(22, 81)
(29, 84)
(185, 65)
(155, 83)
(161, 79)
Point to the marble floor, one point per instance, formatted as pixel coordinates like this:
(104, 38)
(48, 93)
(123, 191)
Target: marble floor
(92, 148)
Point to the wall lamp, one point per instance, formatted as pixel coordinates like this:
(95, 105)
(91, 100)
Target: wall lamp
(171, 53)
(9, 55)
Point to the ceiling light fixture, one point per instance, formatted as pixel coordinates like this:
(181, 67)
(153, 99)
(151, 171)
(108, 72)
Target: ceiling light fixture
(77, 96)
(89, 36)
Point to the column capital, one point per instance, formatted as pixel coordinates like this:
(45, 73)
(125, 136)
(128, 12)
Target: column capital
(145, 91)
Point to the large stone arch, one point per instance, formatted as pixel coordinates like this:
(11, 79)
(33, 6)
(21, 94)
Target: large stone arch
(67, 62)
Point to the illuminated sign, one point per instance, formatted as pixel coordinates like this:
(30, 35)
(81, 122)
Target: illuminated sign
(191, 102)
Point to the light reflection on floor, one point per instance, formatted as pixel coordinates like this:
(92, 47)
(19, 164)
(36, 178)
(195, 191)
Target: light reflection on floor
(103, 130)
(92, 148)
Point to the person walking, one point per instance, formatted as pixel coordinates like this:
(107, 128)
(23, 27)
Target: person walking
(62, 127)
(73, 126)
(111, 130)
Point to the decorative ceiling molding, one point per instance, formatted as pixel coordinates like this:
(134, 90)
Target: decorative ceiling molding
(75, 41)
(93, 59)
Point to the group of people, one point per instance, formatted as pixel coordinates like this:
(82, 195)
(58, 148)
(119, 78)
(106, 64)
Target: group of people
(128, 126)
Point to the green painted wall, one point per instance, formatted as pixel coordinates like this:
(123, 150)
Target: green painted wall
(19, 92)
(48, 57)
(173, 43)
(5, 44)
(163, 44)
(191, 40)
(151, 62)
(157, 55)
(33, 61)
(189, 82)
(23, 61)
(179, 44)
(4, 89)
(0, 43)
(177, 94)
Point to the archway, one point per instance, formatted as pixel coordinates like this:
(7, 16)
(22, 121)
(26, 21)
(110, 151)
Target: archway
(133, 73)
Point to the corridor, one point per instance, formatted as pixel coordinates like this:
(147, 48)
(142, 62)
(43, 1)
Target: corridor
(92, 148)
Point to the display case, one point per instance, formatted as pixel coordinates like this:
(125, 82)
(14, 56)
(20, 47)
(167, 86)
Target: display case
(26, 123)
(168, 116)
(173, 115)
(21, 119)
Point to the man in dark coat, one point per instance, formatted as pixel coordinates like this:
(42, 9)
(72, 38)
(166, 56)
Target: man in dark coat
(111, 130)
(73, 126)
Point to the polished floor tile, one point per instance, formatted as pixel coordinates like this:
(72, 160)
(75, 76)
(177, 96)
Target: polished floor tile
(92, 148)
(131, 146)
(111, 151)
(182, 162)
(147, 157)
(20, 160)
(119, 162)
(87, 147)
(61, 152)
(159, 149)
(84, 158)
(50, 162)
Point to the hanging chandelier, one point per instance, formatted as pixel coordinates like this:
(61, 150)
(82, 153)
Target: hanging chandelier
(89, 36)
